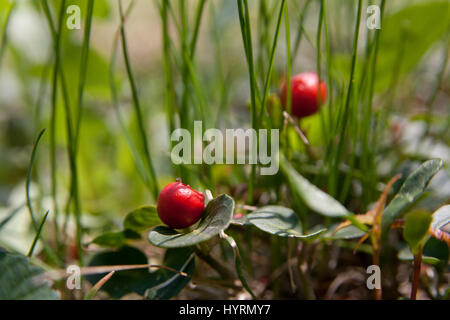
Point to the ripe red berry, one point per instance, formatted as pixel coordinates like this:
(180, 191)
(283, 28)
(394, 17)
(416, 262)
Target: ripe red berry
(179, 206)
(304, 94)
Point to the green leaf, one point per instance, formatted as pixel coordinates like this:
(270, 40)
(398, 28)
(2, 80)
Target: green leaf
(163, 283)
(346, 233)
(166, 284)
(240, 221)
(406, 255)
(411, 189)
(141, 219)
(19, 280)
(409, 32)
(122, 282)
(238, 264)
(439, 250)
(313, 197)
(406, 36)
(280, 221)
(219, 212)
(416, 228)
(116, 239)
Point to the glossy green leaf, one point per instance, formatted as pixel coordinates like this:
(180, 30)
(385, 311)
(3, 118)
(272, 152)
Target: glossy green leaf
(116, 239)
(411, 189)
(314, 198)
(238, 264)
(407, 35)
(439, 250)
(406, 255)
(166, 284)
(141, 219)
(280, 221)
(346, 233)
(122, 282)
(163, 283)
(19, 280)
(219, 212)
(240, 221)
(416, 228)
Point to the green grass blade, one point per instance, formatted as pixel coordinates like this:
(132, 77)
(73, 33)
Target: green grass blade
(137, 106)
(36, 237)
(27, 186)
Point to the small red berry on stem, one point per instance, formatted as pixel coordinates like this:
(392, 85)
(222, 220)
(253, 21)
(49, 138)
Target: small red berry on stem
(305, 88)
(179, 206)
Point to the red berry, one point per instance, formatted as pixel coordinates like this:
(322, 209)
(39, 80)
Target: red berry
(304, 94)
(179, 206)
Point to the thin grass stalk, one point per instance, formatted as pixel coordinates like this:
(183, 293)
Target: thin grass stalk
(300, 32)
(271, 61)
(371, 131)
(57, 70)
(83, 67)
(437, 86)
(137, 105)
(345, 118)
(288, 77)
(54, 94)
(28, 183)
(330, 108)
(169, 92)
(318, 68)
(220, 72)
(4, 35)
(115, 99)
(74, 198)
(38, 234)
(29, 204)
(198, 19)
(244, 18)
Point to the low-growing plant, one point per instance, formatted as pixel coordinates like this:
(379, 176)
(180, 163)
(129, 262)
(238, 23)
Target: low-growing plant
(361, 127)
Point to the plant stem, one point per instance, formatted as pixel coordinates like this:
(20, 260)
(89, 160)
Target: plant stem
(416, 275)
(346, 114)
(223, 271)
(304, 278)
(36, 237)
(376, 262)
(83, 68)
(244, 18)
(137, 105)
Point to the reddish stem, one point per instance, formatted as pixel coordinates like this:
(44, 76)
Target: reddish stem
(376, 261)
(417, 265)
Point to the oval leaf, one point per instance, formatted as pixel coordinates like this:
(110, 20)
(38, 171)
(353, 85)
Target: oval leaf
(280, 221)
(313, 197)
(219, 212)
(416, 228)
(163, 283)
(406, 255)
(346, 233)
(411, 189)
(123, 282)
(21, 281)
(141, 219)
(166, 284)
(116, 239)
